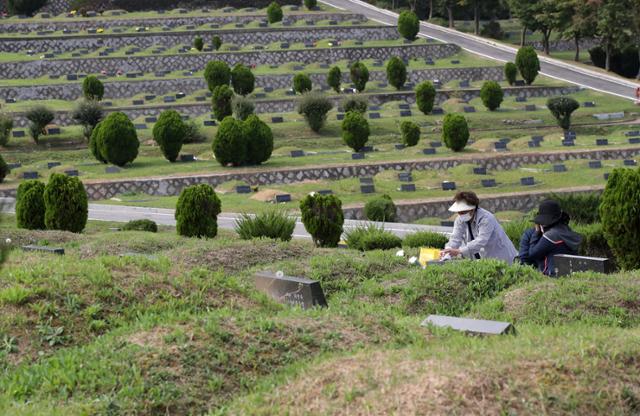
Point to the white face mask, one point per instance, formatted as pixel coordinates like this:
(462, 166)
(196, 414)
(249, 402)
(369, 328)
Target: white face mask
(465, 218)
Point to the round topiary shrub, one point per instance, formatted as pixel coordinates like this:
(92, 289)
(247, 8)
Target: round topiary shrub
(425, 239)
(141, 225)
(230, 143)
(66, 205)
(221, 97)
(242, 107)
(217, 73)
(355, 130)
(396, 72)
(169, 132)
(455, 132)
(30, 205)
(114, 140)
(216, 42)
(26, 7)
(6, 125)
(620, 216)
(314, 106)
(92, 88)
(88, 114)
(528, 64)
(562, 108)
(381, 209)
(310, 4)
(242, 79)
(510, 72)
(355, 103)
(491, 95)
(259, 140)
(197, 212)
(301, 83)
(274, 13)
(359, 75)
(408, 25)
(334, 79)
(198, 43)
(39, 116)
(410, 133)
(425, 96)
(4, 169)
(322, 218)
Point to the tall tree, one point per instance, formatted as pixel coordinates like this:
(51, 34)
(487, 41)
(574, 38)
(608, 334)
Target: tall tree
(582, 24)
(525, 11)
(635, 28)
(449, 6)
(551, 15)
(615, 20)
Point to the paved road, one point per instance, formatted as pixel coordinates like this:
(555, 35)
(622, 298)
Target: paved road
(551, 67)
(123, 213)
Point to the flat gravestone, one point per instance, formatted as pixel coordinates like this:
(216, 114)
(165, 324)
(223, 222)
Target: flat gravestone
(633, 140)
(566, 264)
(537, 138)
(53, 164)
(408, 187)
(629, 162)
(44, 249)
(519, 83)
(602, 142)
(277, 120)
(488, 183)
(209, 123)
(595, 164)
(339, 116)
(404, 106)
(366, 181)
(72, 172)
(559, 168)
(53, 130)
(357, 156)
(150, 119)
(140, 126)
(18, 133)
(149, 97)
(521, 99)
(112, 169)
(455, 62)
(297, 153)
(280, 198)
(570, 134)
(405, 113)
(530, 107)
(448, 186)
(500, 146)
(464, 84)
(588, 104)
(446, 223)
(10, 100)
(187, 158)
(429, 151)
(480, 171)
(180, 95)
(367, 149)
(606, 176)
(528, 181)
(405, 177)
(14, 165)
(367, 189)
(169, 99)
(435, 144)
(469, 109)
(568, 142)
(632, 133)
(325, 192)
(30, 175)
(473, 326)
(399, 146)
(437, 111)
(243, 189)
(373, 116)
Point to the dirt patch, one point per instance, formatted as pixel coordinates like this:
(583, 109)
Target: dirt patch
(266, 195)
(153, 338)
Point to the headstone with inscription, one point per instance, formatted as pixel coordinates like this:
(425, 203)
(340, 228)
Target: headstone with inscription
(293, 291)
(566, 264)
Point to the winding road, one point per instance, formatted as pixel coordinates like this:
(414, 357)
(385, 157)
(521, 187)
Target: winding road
(487, 48)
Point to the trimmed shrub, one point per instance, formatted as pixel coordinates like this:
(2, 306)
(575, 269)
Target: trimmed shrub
(381, 209)
(221, 101)
(141, 225)
(371, 238)
(88, 114)
(355, 130)
(230, 144)
(197, 211)
(259, 140)
(492, 29)
(216, 42)
(4, 169)
(169, 133)
(198, 43)
(621, 217)
(66, 206)
(242, 79)
(359, 75)
(408, 25)
(425, 239)
(314, 106)
(274, 13)
(334, 78)
(594, 241)
(582, 208)
(92, 88)
(356, 103)
(396, 72)
(30, 205)
(510, 72)
(491, 95)
(27, 7)
(6, 125)
(455, 132)
(322, 218)
(38, 116)
(192, 133)
(275, 224)
(301, 83)
(114, 140)
(242, 107)
(425, 96)
(217, 73)
(310, 4)
(410, 133)
(562, 108)
(528, 64)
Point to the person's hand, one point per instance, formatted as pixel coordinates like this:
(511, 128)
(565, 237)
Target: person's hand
(538, 229)
(453, 252)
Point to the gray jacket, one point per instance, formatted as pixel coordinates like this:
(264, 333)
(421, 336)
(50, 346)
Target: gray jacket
(490, 240)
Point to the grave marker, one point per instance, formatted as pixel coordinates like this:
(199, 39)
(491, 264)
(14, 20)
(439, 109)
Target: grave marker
(429, 151)
(446, 223)
(405, 177)
(473, 326)
(500, 146)
(408, 187)
(629, 162)
(14, 165)
(595, 164)
(566, 264)
(559, 168)
(112, 169)
(297, 153)
(140, 126)
(530, 107)
(568, 142)
(480, 171)
(448, 186)
(72, 172)
(18, 133)
(464, 84)
(606, 176)
(405, 113)
(521, 99)
(52, 164)
(357, 156)
(589, 104)
(187, 158)
(633, 140)
(280, 198)
(528, 181)
(44, 249)
(277, 120)
(150, 119)
(602, 142)
(339, 116)
(367, 189)
(488, 183)
(367, 149)
(325, 192)
(209, 123)
(243, 189)
(519, 83)
(53, 130)
(399, 146)
(469, 109)
(30, 175)
(373, 116)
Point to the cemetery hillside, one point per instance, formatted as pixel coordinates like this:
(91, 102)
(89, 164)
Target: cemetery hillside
(336, 207)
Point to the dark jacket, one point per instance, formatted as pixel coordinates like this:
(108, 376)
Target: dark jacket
(539, 249)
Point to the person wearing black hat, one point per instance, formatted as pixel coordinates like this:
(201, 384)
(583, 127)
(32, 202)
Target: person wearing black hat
(550, 236)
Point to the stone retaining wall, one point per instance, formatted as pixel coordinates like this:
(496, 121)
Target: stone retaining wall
(126, 88)
(565, 45)
(287, 105)
(240, 37)
(98, 190)
(169, 21)
(56, 7)
(197, 61)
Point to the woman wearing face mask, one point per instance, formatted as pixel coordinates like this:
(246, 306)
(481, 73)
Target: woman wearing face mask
(550, 236)
(476, 232)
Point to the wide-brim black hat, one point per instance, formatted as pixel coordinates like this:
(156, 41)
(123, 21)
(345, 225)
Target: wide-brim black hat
(549, 212)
